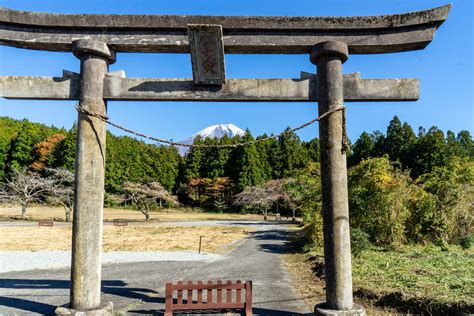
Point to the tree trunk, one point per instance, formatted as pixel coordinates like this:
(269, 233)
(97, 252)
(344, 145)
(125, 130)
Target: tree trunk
(294, 215)
(146, 213)
(23, 210)
(265, 216)
(67, 210)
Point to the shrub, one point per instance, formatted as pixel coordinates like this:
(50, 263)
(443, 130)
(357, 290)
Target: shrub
(466, 242)
(453, 189)
(379, 200)
(359, 241)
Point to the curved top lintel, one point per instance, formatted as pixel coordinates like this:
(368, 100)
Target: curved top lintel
(242, 34)
(434, 16)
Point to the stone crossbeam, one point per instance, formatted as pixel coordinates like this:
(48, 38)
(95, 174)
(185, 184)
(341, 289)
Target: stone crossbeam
(241, 34)
(239, 90)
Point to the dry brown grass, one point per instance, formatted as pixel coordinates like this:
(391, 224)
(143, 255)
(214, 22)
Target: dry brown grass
(57, 213)
(130, 238)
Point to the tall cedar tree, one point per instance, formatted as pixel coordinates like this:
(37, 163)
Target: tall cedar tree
(21, 149)
(248, 166)
(294, 156)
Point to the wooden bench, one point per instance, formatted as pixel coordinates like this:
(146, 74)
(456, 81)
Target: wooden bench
(213, 298)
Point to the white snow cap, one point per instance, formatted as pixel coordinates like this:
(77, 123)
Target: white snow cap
(214, 131)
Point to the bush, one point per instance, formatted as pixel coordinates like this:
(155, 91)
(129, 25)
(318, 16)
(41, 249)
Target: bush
(466, 242)
(359, 242)
(453, 189)
(380, 200)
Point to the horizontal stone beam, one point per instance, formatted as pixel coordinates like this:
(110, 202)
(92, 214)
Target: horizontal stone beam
(238, 90)
(241, 34)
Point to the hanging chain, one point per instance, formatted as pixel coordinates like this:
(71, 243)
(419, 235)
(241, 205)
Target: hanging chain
(105, 119)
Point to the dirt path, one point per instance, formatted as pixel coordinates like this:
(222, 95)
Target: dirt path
(139, 287)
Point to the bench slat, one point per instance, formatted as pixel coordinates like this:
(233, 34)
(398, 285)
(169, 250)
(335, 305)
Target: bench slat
(248, 298)
(208, 306)
(238, 294)
(209, 286)
(229, 292)
(169, 299)
(199, 296)
(180, 294)
(219, 292)
(189, 298)
(209, 292)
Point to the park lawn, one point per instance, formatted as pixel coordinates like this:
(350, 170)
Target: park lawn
(129, 238)
(420, 279)
(168, 215)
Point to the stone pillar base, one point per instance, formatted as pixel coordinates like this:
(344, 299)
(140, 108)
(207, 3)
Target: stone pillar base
(322, 309)
(105, 309)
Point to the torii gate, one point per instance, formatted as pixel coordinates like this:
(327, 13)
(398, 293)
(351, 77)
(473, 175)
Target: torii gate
(95, 39)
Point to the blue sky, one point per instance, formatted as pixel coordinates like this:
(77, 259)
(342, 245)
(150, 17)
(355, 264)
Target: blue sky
(445, 70)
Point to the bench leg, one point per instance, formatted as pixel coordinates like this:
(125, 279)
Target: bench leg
(248, 298)
(169, 299)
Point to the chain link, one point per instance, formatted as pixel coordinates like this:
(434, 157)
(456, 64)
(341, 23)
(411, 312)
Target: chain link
(106, 119)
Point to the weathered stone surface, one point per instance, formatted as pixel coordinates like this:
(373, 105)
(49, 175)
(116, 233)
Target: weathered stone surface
(323, 310)
(240, 90)
(105, 309)
(88, 46)
(335, 202)
(207, 54)
(89, 182)
(116, 21)
(154, 33)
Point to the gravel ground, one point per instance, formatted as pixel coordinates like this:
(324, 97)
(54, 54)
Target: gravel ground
(31, 260)
(137, 288)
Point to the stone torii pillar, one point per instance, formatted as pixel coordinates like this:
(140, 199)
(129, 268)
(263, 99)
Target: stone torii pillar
(86, 262)
(329, 56)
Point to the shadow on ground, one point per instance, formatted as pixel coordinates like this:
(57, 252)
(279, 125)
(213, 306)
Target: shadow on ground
(114, 287)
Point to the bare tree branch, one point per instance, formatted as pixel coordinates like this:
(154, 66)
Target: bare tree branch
(144, 196)
(24, 187)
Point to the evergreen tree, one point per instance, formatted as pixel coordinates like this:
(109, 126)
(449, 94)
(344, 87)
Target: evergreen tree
(215, 159)
(467, 145)
(64, 153)
(312, 149)
(409, 140)
(378, 138)
(394, 141)
(294, 155)
(263, 149)
(362, 149)
(452, 146)
(20, 151)
(275, 158)
(248, 166)
(194, 159)
(429, 151)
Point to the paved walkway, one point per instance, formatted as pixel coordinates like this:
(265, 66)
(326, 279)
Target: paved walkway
(138, 288)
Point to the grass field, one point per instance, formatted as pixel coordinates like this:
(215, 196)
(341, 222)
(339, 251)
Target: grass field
(131, 238)
(57, 213)
(417, 279)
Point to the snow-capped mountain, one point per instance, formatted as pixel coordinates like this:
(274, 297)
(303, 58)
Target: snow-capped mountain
(214, 131)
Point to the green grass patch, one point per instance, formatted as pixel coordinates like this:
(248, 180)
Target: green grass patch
(419, 272)
(421, 275)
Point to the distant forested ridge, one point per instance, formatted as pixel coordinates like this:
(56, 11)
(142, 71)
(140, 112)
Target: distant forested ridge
(209, 176)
